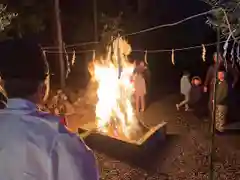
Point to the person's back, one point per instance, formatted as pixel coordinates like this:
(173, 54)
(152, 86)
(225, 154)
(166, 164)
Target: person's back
(34, 144)
(25, 149)
(33, 148)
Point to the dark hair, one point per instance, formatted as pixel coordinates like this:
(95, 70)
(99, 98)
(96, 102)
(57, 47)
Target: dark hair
(197, 78)
(22, 59)
(22, 67)
(221, 69)
(16, 88)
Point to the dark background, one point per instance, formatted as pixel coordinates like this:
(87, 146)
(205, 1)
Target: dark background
(78, 26)
(79, 13)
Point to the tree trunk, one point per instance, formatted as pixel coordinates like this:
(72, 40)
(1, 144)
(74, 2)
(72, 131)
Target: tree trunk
(95, 20)
(59, 43)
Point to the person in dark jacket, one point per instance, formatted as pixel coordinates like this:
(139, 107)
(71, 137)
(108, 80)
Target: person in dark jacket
(196, 90)
(233, 74)
(221, 100)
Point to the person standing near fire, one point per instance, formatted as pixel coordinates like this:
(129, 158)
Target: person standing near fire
(139, 86)
(232, 77)
(221, 100)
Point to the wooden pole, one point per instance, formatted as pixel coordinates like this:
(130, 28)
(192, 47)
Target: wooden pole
(95, 20)
(212, 147)
(59, 43)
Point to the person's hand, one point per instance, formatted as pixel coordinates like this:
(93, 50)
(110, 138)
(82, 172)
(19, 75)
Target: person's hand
(205, 89)
(233, 85)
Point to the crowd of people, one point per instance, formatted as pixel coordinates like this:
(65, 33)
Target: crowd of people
(227, 78)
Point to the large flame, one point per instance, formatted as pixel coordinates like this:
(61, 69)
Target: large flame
(114, 108)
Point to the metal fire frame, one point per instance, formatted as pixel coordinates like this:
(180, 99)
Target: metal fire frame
(156, 132)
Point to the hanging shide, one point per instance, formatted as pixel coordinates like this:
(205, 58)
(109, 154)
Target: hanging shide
(203, 53)
(173, 60)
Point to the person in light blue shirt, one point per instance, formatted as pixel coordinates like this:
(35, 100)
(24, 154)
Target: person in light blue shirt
(34, 145)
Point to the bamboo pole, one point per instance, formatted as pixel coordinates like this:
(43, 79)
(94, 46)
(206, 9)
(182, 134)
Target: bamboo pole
(212, 145)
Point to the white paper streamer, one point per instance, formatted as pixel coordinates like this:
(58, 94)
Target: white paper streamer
(225, 47)
(73, 58)
(232, 52)
(145, 57)
(203, 53)
(94, 55)
(173, 61)
(232, 55)
(238, 53)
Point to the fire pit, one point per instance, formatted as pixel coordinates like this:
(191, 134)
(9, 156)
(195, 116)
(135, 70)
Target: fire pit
(115, 116)
(138, 136)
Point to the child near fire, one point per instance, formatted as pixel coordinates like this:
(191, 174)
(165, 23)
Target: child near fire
(196, 91)
(140, 86)
(192, 95)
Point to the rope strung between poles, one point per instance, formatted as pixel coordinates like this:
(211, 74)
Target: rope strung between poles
(148, 51)
(70, 52)
(71, 45)
(138, 32)
(179, 49)
(170, 24)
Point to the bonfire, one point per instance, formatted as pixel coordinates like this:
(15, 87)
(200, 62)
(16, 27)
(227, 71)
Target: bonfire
(114, 110)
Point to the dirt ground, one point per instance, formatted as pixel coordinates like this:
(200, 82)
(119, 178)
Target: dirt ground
(184, 155)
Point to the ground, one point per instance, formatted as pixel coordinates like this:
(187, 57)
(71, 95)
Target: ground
(184, 155)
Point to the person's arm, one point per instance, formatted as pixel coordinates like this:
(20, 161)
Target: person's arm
(208, 77)
(72, 159)
(235, 75)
